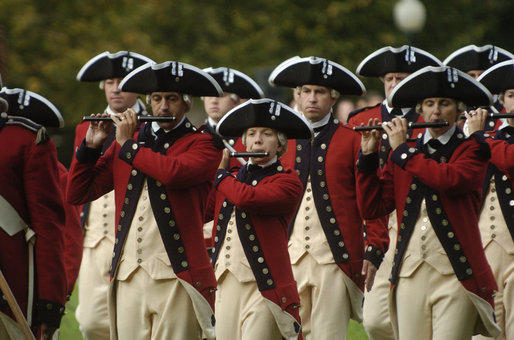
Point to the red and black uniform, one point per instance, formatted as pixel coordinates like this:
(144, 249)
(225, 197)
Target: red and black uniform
(30, 184)
(265, 200)
(330, 161)
(447, 181)
(179, 167)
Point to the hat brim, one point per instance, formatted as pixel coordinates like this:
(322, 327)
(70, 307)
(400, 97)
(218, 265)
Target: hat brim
(499, 77)
(472, 57)
(171, 76)
(234, 81)
(264, 113)
(298, 71)
(111, 65)
(28, 104)
(405, 59)
(445, 82)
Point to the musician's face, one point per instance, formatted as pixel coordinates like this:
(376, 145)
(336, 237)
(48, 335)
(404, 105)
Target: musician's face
(508, 103)
(315, 102)
(392, 79)
(217, 107)
(439, 110)
(117, 100)
(262, 139)
(168, 104)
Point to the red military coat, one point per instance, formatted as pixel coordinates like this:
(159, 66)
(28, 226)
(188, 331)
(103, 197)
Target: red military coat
(265, 200)
(453, 195)
(331, 163)
(502, 156)
(73, 235)
(30, 184)
(180, 168)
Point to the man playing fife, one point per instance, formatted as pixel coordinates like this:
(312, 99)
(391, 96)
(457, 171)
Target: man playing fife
(391, 65)
(497, 214)
(443, 286)
(330, 259)
(162, 283)
(98, 216)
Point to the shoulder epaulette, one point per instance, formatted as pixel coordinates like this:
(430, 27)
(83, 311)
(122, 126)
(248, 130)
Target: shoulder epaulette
(42, 135)
(355, 112)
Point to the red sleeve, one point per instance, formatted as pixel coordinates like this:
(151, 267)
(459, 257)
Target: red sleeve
(270, 197)
(375, 194)
(181, 170)
(91, 177)
(457, 176)
(502, 156)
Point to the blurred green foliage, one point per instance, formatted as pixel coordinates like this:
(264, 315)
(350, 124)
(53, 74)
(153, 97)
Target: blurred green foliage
(46, 42)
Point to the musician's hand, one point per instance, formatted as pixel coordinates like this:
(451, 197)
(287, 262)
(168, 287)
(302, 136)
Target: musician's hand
(47, 332)
(126, 125)
(369, 139)
(98, 132)
(397, 131)
(224, 160)
(476, 120)
(369, 270)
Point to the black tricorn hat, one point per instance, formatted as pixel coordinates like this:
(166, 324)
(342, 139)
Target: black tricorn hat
(443, 81)
(171, 76)
(407, 59)
(264, 113)
(33, 106)
(111, 65)
(472, 57)
(499, 77)
(234, 81)
(298, 71)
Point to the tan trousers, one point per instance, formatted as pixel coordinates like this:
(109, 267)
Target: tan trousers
(93, 283)
(9, 329)
(432, 306)
(376, 320)
(241, 312)
(502, 265)
(154, 309)
(325, 303)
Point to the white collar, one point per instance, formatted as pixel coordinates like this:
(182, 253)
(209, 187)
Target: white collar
(405, 110)
(504, 123)
(321, 122)
(211, 122)
(444, 138)
(156, 127)
(273, 160)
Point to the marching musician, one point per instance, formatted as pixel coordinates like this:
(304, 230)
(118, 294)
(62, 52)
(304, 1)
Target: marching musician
(237, 88)
(391, 65)
(98, 216)
(497, 212)
(326, 242)
(162, 282)
(474, 60)
(433, 185)
(31, 227)
(257, 297)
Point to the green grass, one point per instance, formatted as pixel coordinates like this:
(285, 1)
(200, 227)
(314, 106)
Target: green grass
(70, 328)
